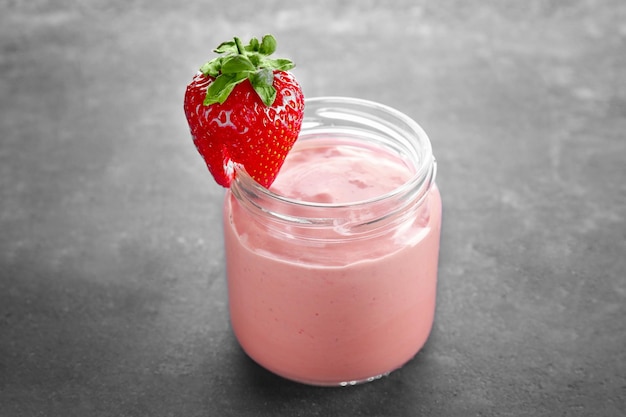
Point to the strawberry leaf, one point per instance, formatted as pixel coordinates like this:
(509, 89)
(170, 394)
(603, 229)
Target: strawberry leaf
(221, 87)
(256, 59)
(212, 67)
(238, 62)
(228, 46)
(268, 45)
(253, 46)
(278, 64)
(262, 81)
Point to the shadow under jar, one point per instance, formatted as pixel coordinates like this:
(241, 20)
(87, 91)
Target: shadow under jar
(332, 272)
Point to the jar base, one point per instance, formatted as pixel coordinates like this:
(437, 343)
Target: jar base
(363, 381)
(329, 384)
(336, 384)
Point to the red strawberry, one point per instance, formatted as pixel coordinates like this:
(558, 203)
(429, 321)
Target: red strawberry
(244, 109)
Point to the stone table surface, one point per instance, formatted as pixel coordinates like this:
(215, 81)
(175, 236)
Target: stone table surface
(112, 281)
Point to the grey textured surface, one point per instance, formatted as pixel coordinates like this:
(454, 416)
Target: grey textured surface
(112, 290)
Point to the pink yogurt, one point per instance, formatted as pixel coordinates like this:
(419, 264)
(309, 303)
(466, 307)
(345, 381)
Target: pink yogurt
(332, 273)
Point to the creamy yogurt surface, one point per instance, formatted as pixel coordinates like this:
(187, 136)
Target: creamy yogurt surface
(329, 173)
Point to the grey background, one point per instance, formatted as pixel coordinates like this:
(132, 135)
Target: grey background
(112, 289)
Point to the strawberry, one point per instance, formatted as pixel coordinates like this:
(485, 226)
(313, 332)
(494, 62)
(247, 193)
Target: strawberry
(244, 110)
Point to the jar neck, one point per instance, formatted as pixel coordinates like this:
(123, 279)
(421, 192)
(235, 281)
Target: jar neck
(363, 122)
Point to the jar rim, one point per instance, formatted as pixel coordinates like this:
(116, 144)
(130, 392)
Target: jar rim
(424, 172)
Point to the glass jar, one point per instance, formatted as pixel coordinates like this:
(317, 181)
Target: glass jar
(337, 293)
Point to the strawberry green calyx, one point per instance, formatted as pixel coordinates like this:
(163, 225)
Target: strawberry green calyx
(238, 63)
